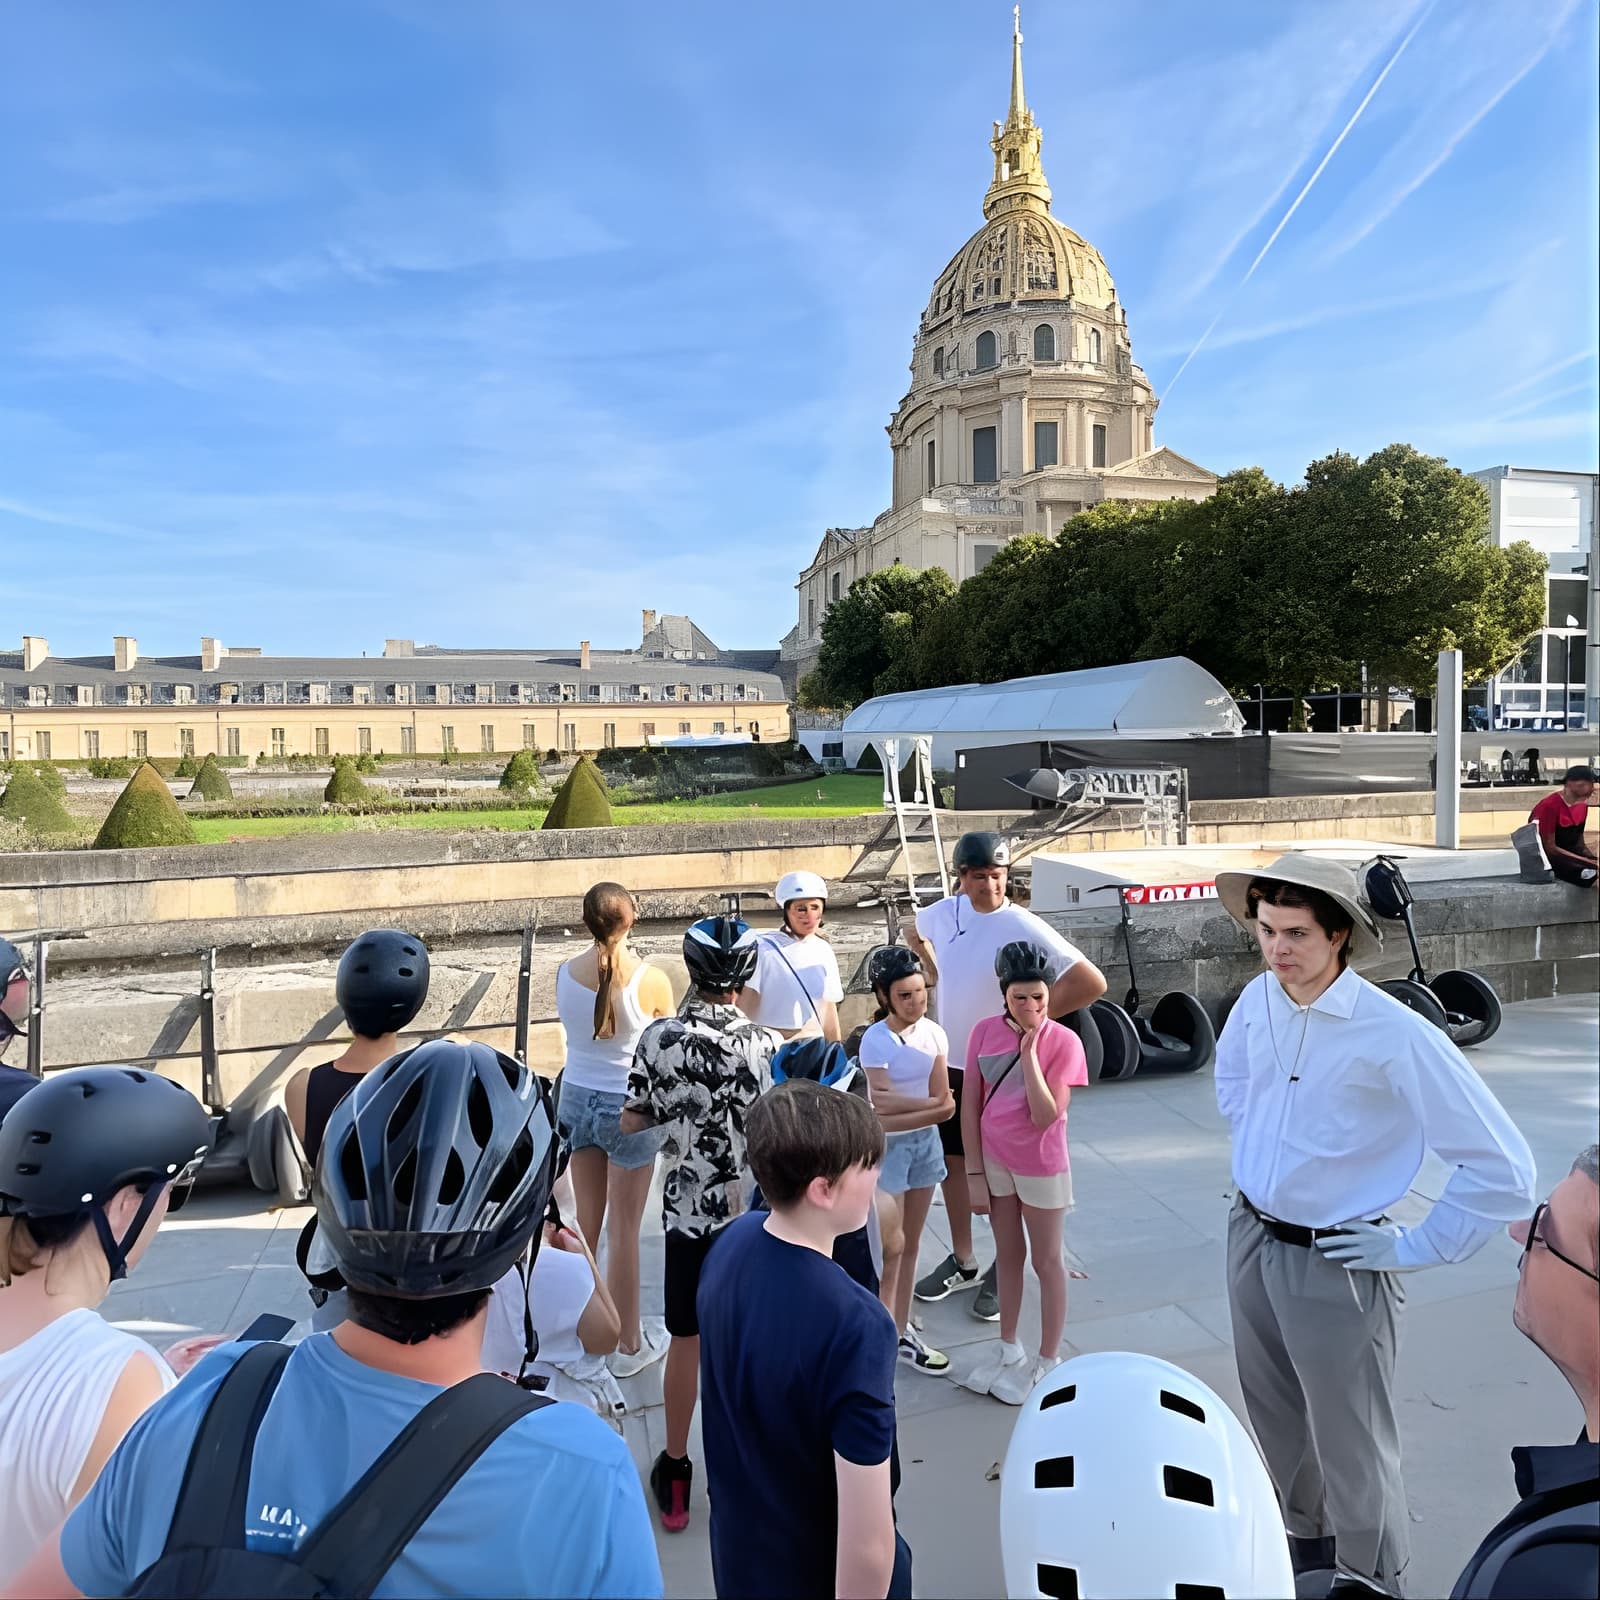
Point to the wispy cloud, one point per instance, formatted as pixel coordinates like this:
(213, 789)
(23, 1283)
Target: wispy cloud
(1546, 373)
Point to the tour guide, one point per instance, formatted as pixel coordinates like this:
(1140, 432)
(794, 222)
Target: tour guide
(1333, 1092)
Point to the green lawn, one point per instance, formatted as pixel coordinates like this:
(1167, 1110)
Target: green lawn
(841, 795)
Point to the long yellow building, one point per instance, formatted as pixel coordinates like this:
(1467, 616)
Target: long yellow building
(411, 700)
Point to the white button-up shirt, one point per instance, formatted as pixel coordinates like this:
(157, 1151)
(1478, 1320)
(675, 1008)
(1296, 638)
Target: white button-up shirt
(1333, 1106)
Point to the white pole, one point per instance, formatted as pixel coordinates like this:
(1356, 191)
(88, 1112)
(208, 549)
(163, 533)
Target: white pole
(1447, 752)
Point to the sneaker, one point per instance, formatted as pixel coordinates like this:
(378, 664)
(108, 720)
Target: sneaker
(652, 1346)
(669, 1483)
(1013, 1383)
(985, 1369)
(921, 1356)
(986, 1308)
(946, 1279)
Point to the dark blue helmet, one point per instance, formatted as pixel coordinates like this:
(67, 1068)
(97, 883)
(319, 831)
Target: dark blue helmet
(721, 954)
(821, 1061)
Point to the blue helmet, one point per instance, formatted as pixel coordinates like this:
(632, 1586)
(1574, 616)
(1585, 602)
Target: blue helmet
(721, 954)
(821, 1060)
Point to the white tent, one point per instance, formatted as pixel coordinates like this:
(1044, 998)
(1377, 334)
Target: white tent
(1167, 699)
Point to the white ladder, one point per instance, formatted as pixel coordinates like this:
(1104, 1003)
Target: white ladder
(923, 803)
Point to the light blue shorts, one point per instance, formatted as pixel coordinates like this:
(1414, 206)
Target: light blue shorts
(589, 1119)
(913, 1160)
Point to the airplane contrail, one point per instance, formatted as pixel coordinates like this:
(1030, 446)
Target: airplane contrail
(1294, 205)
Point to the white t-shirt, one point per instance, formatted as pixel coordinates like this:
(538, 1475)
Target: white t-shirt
(965, 943)
(815, 972)
(54, 1389)
(908, 1056)
(562, 1287)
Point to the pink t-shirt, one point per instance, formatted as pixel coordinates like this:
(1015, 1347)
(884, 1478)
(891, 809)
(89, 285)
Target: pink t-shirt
(1009, 1136)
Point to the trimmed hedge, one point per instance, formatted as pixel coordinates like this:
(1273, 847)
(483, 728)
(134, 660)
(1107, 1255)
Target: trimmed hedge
(145, 814)
(211, 782)
(345, 787)
(521, 773)
(583, 801)
(30, 801)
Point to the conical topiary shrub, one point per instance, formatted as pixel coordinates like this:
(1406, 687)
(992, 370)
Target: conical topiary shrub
(27, 800)
(187, 767)
(211, 782)
(582, 801)
(521, 774)
(345, 787)
(50, 776)
(145, 814)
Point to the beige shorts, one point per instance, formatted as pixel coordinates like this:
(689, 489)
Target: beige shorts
(1050, 1193)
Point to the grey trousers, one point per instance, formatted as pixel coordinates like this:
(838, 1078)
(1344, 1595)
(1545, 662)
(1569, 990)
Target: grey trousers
(1315, 1346)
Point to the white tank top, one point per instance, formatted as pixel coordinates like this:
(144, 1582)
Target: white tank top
(54, 1389)
(599, 1064)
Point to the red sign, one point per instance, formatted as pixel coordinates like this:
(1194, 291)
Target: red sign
(1149, 894)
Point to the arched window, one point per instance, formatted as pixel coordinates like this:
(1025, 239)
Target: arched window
(1094, 345)
(938, 363)
(836, 586)
(984, 355)
(1044, 342)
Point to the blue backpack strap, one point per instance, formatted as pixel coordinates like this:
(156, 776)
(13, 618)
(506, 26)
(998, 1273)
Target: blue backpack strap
(359, 1540)
(210, 1509)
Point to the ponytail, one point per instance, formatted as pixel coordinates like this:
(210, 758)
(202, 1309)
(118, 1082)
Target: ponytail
(608, 913)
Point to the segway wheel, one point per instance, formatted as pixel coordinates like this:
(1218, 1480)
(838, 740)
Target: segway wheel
(1088, 1034)
(1419, 998)
(1472, 1008)
(1119, 1039)
(1179, 1036)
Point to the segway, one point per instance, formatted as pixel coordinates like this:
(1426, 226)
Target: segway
(1461, 1003)
(1176, 1035)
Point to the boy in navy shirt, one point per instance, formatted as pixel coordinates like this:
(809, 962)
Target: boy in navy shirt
(797, 1366)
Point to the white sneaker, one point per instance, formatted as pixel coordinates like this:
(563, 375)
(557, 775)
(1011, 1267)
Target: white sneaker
(652, 1346)
(1014, 1381)
(990, 1365)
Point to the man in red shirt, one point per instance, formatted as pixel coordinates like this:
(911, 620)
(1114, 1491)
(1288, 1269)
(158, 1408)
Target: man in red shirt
(1560, 818)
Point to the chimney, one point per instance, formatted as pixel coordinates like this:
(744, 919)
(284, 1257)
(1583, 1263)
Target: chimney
(583, 656)
(35, 650)
(126, 652)
(399, 647)
(649, 619)
(211, 654)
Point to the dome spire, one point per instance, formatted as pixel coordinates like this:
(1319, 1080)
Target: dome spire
(1019, 181)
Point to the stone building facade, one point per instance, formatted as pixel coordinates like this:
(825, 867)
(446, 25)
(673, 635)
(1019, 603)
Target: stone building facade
(1025, 405)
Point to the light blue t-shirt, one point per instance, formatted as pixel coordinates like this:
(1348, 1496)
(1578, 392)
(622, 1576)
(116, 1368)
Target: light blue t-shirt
(552, 1507)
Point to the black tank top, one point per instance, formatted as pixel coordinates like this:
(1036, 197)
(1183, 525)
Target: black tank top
(326, 1087)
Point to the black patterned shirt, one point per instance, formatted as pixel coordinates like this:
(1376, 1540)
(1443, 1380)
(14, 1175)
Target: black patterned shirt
(695, 1075)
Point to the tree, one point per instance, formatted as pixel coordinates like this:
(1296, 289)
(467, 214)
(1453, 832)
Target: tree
(982, 632)
(344, 787)
(863, 638)
(211, 782)
(28, 800)
(521, 775)
(583, 801)
(145, 814)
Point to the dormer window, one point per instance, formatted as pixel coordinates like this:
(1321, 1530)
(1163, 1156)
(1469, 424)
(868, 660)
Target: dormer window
(183, 694)
(317, 693)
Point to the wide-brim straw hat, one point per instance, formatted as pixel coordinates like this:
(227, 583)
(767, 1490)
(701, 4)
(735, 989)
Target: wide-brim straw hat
(1333, 878)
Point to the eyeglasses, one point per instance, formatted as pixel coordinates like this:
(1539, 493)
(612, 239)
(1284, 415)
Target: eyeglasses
(1534, 1234)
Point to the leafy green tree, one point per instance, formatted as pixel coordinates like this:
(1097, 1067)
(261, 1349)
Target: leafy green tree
(521, 775)
(863, 636)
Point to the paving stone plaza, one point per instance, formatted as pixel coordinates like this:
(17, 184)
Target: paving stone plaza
(1151, 1172)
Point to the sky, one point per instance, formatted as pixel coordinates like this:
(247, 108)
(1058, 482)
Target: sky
(490, 323)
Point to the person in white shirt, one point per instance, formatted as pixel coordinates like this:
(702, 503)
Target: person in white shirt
(88, 1160)
(958, 938)
(796, 988)
(904, 1054)
(1333, 1092)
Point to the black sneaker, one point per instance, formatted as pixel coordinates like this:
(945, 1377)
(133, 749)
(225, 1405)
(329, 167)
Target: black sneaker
(1310, 1555)
(914, 1353)
(946, 1279)
(669, 1483)
(986, 1303)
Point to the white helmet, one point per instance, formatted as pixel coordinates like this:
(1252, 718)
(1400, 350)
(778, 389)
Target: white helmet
(800, 886)
(1126, 1476)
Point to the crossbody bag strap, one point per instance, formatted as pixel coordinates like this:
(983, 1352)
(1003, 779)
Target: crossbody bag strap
(210, 1508)
(799, 980)
(360, 1539)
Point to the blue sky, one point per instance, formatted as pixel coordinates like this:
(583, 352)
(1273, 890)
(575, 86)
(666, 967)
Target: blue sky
(492, 323)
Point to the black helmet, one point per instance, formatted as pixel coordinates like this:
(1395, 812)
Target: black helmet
(720, 953)
(382, 982)
(435, 1172)
(889, 963)
(982, 850)
(1023, 962)
(67, 1146)
(1388, 893)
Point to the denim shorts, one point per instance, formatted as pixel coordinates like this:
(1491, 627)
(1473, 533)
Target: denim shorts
(913, 1160)
(589, 1119)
